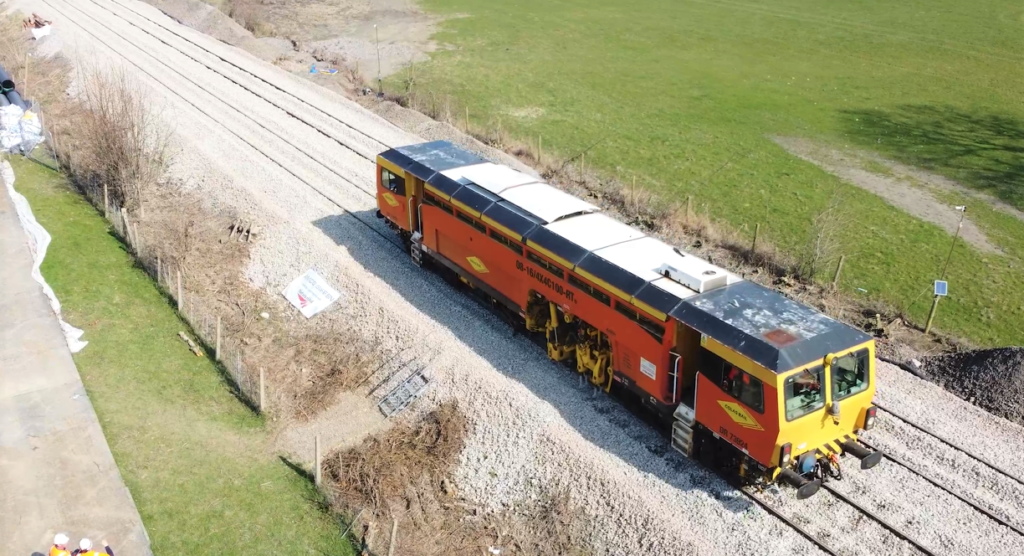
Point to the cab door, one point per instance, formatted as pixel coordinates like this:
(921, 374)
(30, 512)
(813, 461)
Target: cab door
(392, 197)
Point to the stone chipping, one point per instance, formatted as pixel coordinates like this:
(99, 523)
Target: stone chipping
(535, 427)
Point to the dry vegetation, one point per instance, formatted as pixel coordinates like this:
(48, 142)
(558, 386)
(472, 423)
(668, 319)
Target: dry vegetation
(805, 274)
(248, 14)
(404, 474)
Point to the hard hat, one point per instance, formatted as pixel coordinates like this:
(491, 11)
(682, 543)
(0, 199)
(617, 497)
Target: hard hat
(60, 538)
(85, 544)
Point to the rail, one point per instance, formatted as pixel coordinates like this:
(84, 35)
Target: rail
(926, 477)
(888, 526)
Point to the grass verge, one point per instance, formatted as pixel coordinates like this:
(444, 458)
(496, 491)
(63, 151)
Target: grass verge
(198, 463)
(685, 95)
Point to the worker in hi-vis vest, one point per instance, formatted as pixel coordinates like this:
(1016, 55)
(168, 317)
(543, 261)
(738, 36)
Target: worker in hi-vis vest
(60, 545)
(85, 549)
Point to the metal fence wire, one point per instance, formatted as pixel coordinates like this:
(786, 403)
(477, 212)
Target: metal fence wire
(206, 326)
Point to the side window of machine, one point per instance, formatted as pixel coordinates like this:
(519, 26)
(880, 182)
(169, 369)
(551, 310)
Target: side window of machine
(734, 381)
(850, 374)
(394, 183)
(550, 267)
(804, 392)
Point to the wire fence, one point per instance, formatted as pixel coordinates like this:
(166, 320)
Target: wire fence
(207, 327)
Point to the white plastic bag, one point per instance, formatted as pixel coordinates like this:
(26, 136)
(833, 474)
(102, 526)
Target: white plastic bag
(38, 241)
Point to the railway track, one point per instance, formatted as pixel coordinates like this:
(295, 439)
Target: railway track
(370, 223)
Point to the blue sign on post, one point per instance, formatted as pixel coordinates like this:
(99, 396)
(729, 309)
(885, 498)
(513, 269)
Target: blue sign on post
(941, 288)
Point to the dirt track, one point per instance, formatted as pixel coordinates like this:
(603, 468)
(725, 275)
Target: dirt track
(300, 169)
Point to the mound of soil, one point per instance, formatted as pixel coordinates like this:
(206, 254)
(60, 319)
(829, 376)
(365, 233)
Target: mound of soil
(992, 379)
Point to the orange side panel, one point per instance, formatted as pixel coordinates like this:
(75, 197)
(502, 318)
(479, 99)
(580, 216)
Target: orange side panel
(637, 354)
(740, 425)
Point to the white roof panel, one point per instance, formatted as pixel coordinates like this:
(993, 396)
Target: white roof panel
(491, 177)
(594, 231)
(650, 259)
(546, 202)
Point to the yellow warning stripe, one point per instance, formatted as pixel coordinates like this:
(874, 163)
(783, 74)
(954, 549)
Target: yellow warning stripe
(490, 222)
(465, 208)
(648, 309)
(533, 245)
(437, 192)
(615, 291)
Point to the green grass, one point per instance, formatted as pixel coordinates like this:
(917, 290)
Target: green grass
(673, 89)
(197, 462)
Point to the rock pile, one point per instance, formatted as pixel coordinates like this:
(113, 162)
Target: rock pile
(992, 379)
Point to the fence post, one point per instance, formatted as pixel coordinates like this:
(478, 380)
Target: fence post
(316, 457)
(757, 231)
(106, 202)
(394, 537)
(159, 269)
(839, 268)
(540, 149)
(689, 208)
(180, 301)
(263, 392)
(216, 352)
(931, 314)
(138, 240)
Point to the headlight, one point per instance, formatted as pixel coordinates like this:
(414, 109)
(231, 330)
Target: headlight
(869, 418)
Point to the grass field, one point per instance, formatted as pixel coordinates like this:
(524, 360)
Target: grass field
(197, 462)
(685, 94)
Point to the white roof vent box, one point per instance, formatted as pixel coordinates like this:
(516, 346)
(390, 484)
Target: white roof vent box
(698, 275)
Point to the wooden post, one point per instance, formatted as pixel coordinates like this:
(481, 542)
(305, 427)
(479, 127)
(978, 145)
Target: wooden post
(159, 274)
(106, 202)
(180, 300)
(138, 241)
(263, 393)
(540, 148)
(394, 537)
(757, 231)
(839, 268)
(931, 314)
(316, 456)
(216, 352)
(689, 208)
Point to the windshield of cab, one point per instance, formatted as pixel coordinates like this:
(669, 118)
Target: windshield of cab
(850, 374)
(804, 392)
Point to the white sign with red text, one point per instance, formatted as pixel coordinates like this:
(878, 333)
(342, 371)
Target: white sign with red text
(310, 293)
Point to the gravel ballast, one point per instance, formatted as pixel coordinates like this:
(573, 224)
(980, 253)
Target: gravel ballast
(535, 428)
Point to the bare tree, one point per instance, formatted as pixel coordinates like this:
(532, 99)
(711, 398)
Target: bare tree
(823, 246)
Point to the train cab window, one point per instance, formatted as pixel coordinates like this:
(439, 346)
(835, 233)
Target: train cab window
(850, 374)
(804, 392)
(396, 184)
(732, 380)
(511, 244)
(550, 267)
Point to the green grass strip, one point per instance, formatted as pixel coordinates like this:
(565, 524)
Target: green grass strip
(199, 465)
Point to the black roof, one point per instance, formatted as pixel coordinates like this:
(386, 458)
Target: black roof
(769, 328)
(426, 159)
(761, 324)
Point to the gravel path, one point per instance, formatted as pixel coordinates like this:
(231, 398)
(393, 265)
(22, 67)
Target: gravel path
(535, 428)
